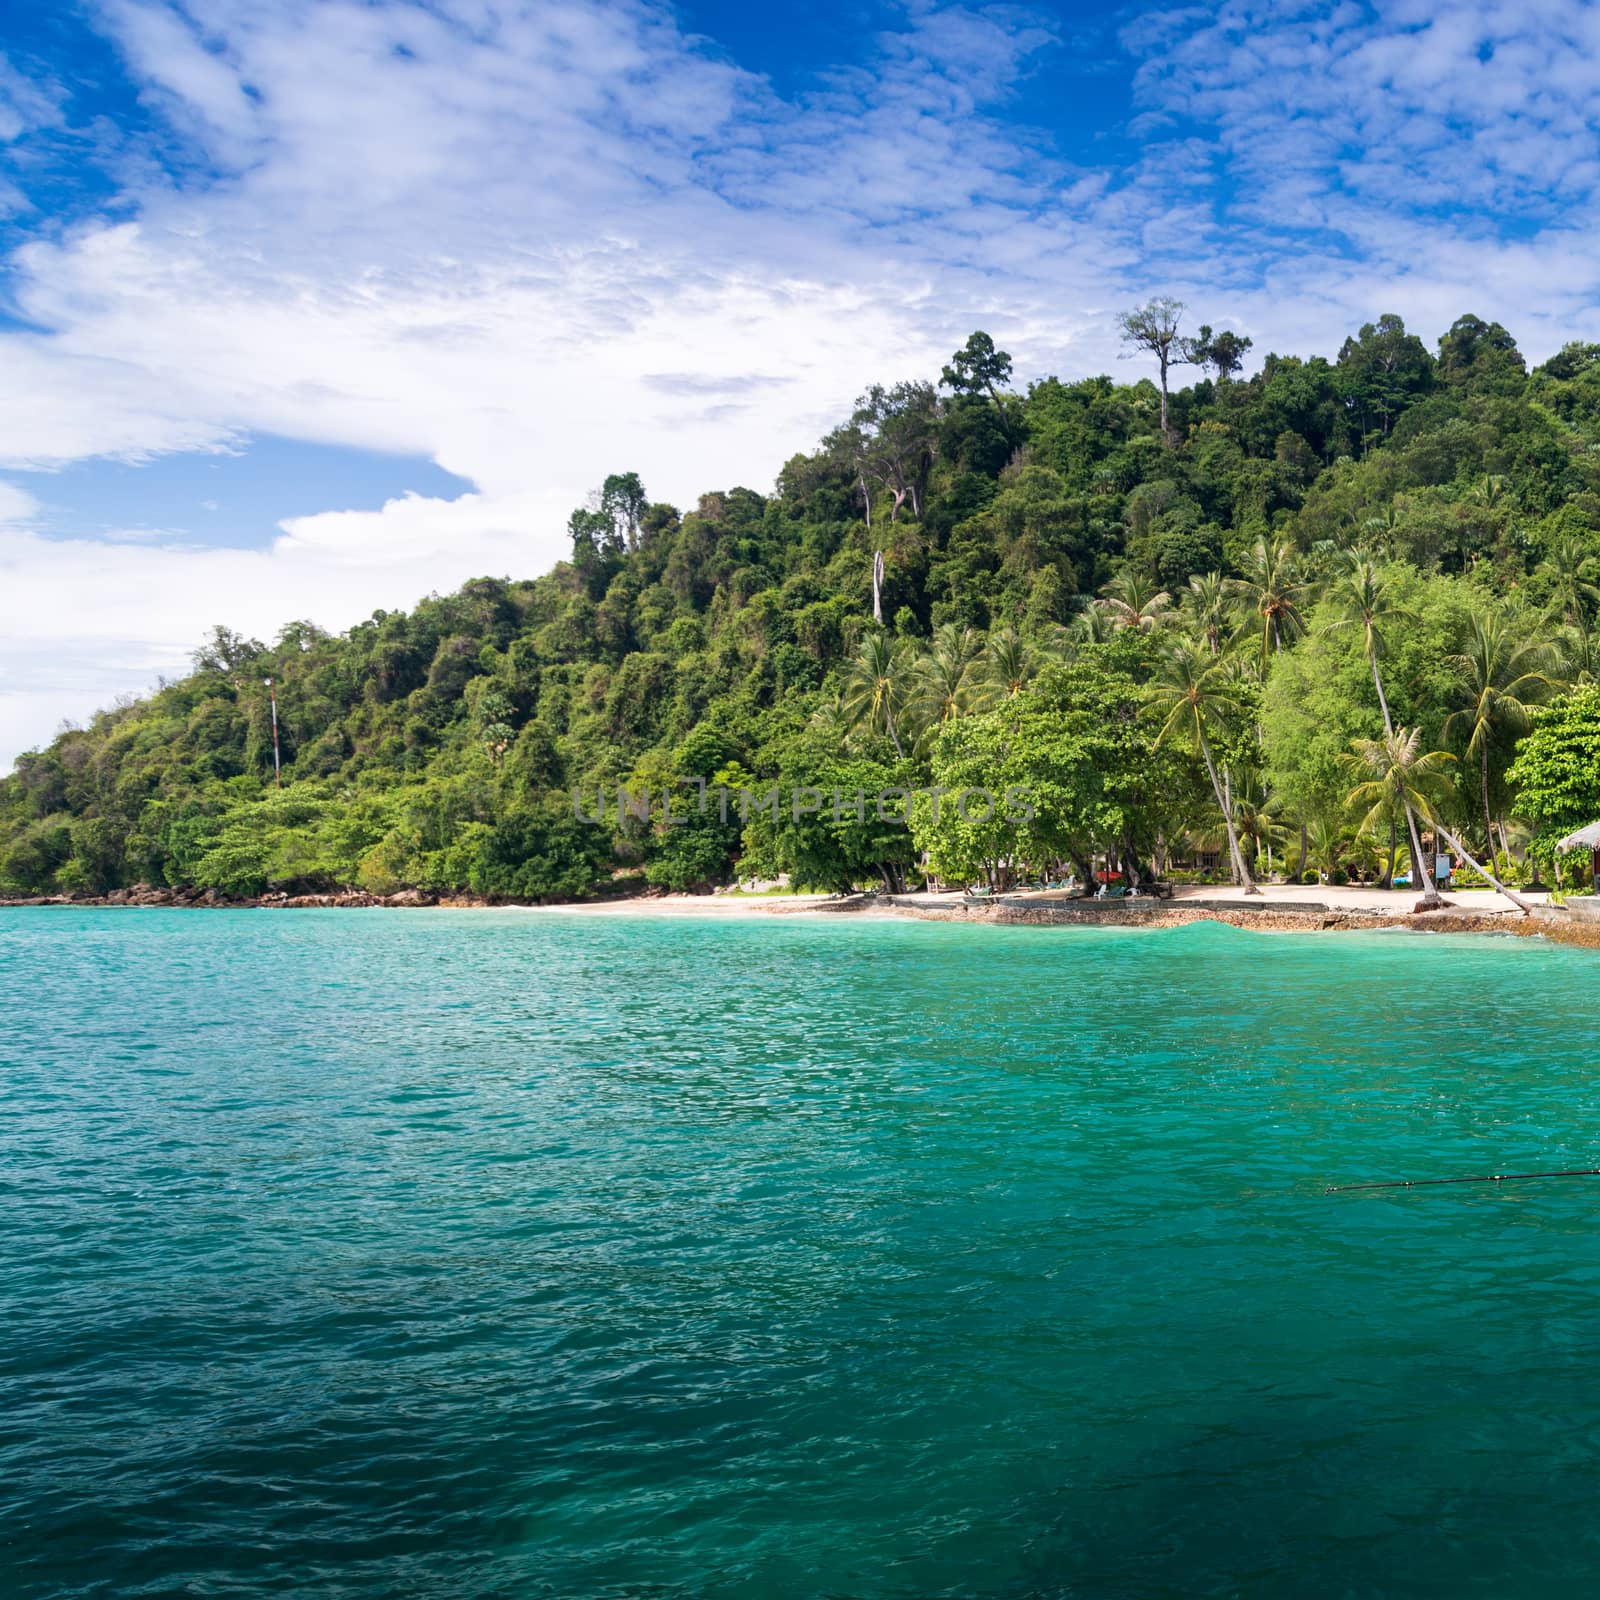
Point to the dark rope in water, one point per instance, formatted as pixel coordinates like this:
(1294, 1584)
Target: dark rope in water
(1488, 1177)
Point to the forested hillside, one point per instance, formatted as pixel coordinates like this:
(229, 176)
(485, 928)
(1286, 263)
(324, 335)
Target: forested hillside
(1298, 619)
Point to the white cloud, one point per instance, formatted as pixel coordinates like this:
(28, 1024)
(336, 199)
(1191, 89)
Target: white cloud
(542, 242)
(16, 505)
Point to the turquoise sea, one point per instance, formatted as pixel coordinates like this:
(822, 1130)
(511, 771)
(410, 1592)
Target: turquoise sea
(367, 1254)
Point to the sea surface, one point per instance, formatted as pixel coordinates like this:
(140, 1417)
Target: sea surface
(460, 1254)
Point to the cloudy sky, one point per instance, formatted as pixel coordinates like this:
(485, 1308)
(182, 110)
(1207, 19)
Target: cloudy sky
(309, 307)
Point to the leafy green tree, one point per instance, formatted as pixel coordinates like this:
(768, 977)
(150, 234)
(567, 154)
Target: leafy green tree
(1557, 769)
(1222, 352)
(540, 855)
(978, 368)
(1383, 370)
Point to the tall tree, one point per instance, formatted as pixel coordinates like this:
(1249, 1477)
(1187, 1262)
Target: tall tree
(977, 368)
(1271, 587)
(1193, 699)
(1153, 328)
(1571, 569)
(1503, 677)
(1222, 352)
(622, 503)
(1358, 600)
(1394, 773)
(894, 430)
(1210, 606)
(876, 687)
(1383, 370)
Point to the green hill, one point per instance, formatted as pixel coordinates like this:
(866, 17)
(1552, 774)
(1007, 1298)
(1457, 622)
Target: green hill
(1057, 575)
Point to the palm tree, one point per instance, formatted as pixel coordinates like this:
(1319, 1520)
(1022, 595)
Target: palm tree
(1209, 605)
(1010, 664)
(1133, 601)
(1325, 848)
(1272, 588)
(1572, 568)
(945, 684)
(876, 687)
(1503, 678)
(1394, 771)
(1194, 701)
(1256, 815)
(1358, 599)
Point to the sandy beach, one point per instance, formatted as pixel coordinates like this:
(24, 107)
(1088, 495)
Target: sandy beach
(1302, 901)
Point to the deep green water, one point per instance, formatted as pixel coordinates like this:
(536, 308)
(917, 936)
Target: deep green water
(491, 1254)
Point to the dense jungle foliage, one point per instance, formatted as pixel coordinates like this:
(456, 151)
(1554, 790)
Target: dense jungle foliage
(1297, 622)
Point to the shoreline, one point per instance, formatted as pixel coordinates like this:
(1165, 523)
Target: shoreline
(1281, 908)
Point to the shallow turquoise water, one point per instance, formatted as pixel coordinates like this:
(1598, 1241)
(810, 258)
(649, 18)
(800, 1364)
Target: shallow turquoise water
(482, 1254)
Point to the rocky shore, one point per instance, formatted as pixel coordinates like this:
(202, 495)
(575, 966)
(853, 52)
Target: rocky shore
(144, 894)
(1264, 916)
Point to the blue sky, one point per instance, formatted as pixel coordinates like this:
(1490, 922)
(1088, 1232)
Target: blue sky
(313, 306)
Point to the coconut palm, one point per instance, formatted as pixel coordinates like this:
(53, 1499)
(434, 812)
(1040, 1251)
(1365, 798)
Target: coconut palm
(1273, 590)
(1255, 814)
(1357, 600)
(1394, 771)
(1502, 679)
(1092, 625)
(945, 682)
(1194, 701)
(1133, 601)
(1010, 665)
(1571, 568)
(1325, 848)
(1210, 608)
(876, 686)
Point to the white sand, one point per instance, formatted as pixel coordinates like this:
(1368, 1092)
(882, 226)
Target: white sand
(1395, 902)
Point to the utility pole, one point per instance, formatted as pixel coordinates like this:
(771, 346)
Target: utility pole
(277, 764)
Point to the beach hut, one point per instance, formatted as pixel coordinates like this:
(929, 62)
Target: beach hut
(1585, 839)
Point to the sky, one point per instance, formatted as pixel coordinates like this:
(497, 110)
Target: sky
(313, 307)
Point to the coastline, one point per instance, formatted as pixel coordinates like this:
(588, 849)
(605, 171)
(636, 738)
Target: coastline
(1280, 908)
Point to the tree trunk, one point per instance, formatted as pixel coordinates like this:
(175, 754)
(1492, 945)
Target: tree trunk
(1241, 872)
(1419, 862)
(1488, 820)
(1394, 851)
(1483, 872)
(1301, 865)
(1383, 701)
(877, 587)
(1085, 869)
